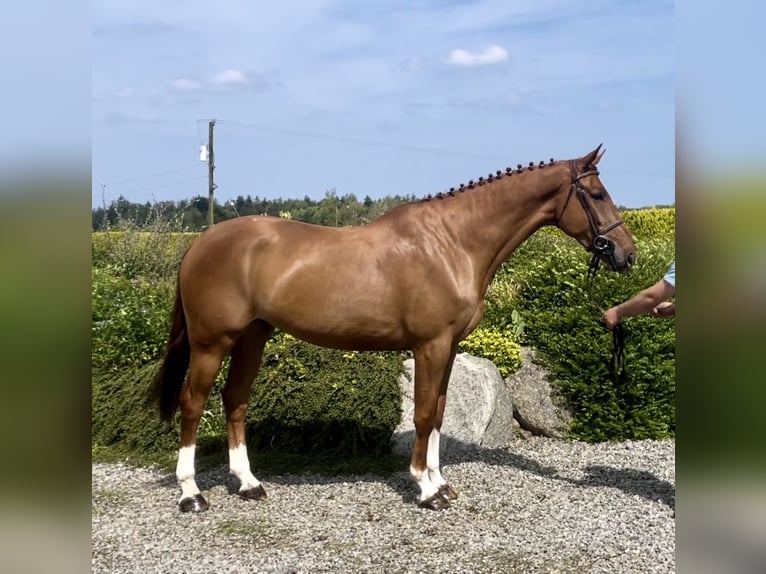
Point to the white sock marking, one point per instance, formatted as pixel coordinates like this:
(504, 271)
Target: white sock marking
(432, 460)
(239, 466)
(427, 488)
(185, 472)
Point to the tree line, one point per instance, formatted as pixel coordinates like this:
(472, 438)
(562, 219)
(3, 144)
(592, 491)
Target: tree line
(191, 214)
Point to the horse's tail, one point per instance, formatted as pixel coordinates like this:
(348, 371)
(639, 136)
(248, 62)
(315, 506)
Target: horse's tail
(170, 378)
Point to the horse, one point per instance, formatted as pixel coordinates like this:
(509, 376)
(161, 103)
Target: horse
(413, 279)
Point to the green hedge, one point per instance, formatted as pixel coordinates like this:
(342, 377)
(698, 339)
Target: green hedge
(133, 253)
(126, 425)
(130, 319)
(555, 302)
(311, 398)
(651, 223)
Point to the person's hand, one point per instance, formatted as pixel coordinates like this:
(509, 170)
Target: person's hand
(664, 309)
(611, 318)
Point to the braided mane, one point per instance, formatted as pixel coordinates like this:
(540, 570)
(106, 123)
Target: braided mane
(490, 178)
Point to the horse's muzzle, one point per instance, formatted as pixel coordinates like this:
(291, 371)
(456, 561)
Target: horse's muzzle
(612, 255)
(621, 262)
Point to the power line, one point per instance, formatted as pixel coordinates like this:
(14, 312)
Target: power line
(153, 175)
(378, 143)
(364, 141)
(162, 185)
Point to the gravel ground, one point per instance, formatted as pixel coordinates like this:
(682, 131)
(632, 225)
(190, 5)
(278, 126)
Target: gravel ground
(538, 506)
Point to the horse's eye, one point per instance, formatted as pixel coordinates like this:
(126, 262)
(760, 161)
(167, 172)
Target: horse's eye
(597, 195)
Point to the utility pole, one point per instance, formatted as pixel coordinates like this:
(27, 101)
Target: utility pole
(210, 168)
(105, 216)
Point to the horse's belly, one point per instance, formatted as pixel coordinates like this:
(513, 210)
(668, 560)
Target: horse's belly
(353, 333)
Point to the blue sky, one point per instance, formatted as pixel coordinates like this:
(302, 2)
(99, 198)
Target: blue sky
(407, 97)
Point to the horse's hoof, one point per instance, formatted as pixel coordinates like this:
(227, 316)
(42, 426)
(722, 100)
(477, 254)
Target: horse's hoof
(196, 503)
(255, 493)
(434, 502)
(447, 492)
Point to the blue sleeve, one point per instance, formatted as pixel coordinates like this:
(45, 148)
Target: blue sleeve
(670, 276)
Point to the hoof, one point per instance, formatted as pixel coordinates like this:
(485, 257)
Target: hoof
(447, 492)
(194, 504)
(434, 502)
(255, 493)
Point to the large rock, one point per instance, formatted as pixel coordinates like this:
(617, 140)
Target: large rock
(537, 407)
(478, 412)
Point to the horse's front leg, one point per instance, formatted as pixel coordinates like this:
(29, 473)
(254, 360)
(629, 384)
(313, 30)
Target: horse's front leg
(433, 364)
(434, 470)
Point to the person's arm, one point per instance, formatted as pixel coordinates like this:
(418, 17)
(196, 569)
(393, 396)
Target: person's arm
(642, 302)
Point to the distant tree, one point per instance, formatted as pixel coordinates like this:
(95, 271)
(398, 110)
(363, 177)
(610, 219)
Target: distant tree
(193, 219)
(331, 210)
(241, 205)
(98, 219)
(200, 203)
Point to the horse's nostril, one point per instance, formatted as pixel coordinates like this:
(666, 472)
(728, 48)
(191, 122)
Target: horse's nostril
(631, 258)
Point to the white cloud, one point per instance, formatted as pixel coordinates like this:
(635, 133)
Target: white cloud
(492, 54)
(228, 77)
(223, 79)
(186, 84)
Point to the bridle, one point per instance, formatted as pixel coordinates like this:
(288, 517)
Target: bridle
(602, 246)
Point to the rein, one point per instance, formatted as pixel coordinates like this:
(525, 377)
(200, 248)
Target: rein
(618, 333)
(603, 246)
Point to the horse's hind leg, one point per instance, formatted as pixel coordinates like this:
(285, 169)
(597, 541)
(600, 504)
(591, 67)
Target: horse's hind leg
(245, 363)
(205, 361)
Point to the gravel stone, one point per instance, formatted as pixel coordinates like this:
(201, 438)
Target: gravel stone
(540, 505)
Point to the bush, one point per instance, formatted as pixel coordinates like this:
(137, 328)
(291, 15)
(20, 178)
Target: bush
(564, 323)
(123, 421)
(150, 253)
(496, 345)
(655, 222)
(311, 398)
(130, 319)
(134, 272)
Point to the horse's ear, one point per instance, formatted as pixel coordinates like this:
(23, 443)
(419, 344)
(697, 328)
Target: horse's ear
(599, 156)
(590, 159)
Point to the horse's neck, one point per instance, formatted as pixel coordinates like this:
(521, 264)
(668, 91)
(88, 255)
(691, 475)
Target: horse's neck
(496, 218)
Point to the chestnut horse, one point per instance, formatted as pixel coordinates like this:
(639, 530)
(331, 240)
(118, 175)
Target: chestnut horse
(415, 279)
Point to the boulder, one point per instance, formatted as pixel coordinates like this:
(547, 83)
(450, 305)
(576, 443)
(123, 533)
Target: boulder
(537, 407)
(478, 412)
